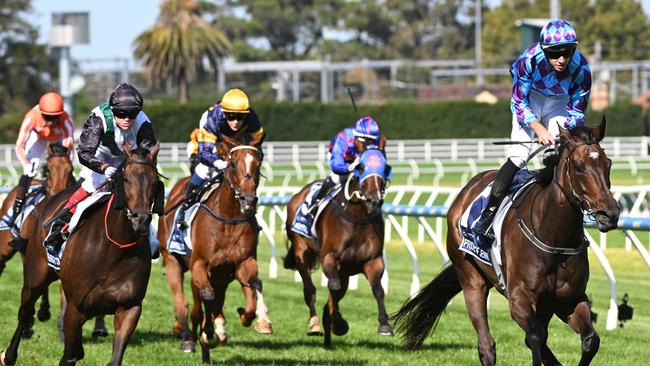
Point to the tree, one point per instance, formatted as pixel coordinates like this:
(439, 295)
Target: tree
(178, 44)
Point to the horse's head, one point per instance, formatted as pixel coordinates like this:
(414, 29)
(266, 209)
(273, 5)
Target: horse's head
(58, 169)
(243, 171)
(583, 174)
(373, 174)
(142, 192)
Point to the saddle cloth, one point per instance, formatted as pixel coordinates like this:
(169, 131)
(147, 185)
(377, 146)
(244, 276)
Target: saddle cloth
(305, 221)
(55, 261)
(28, 207)
(489, 253)
(180, 241)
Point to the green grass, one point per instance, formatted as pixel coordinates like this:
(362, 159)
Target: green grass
(454, 341)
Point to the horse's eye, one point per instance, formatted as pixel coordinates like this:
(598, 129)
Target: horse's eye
(232, 164)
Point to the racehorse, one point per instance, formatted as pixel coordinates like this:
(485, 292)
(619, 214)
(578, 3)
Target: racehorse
(544, 254)
(104, 270)
(225, 237)
(350, 231)
(58, 176)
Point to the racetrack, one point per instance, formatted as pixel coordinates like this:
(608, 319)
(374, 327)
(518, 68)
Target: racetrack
(454, 341)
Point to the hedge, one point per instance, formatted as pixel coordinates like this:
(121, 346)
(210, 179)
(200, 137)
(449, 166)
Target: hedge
(408, 120)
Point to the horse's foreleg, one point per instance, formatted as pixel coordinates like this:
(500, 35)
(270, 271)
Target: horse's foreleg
(263, 324)
(373, 270)
(196, 314)
(73, 350)
(44, 310)
(174, 274)
(332, 319)
(28, 297)
(125, 321)
(548, 358)
(580, 321)
(206, 295)
(60, 322)
(219, 321)
(521, 310)
(246, 274)
(303, 265)
(476, 292)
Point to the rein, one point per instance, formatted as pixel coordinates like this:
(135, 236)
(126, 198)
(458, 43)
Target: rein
(108, 208)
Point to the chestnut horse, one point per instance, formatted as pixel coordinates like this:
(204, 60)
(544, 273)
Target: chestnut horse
(545, 267)
(225, 237)
(350, 231)
(175, 267)
(104, 270)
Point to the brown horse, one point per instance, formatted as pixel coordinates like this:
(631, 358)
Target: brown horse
(546, 269)
(225, 246)
(104, 270)
(350, 231)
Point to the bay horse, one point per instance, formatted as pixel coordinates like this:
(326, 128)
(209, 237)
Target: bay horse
(350, 231)
(546, 269)
(175, 267)
(104, 269)
(225, 237)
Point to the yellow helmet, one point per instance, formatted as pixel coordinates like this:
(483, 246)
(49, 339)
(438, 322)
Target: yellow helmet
(235, 101)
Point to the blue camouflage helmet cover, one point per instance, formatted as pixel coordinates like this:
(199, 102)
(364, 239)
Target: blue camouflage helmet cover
(557, 32)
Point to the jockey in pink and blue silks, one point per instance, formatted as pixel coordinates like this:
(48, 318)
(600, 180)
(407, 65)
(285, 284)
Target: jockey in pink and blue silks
(344, 155)
(551, 86)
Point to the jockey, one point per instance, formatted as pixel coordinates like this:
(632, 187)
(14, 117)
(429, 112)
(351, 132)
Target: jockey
(193, 149)
(232, 116)
(344, 152)
(46, 123)
(100, 149)
(551, 86)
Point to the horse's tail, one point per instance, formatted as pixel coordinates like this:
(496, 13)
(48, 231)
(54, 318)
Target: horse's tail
(419, 316)
(289, 260)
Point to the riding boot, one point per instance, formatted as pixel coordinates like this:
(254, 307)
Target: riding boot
(19, 202)
(328, 184)
(497, 194)
(192, 193)
(58, 234)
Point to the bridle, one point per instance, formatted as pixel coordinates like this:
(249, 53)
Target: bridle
(248, 176)
(150, 163)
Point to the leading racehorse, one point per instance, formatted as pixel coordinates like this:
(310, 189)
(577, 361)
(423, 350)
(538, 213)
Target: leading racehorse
(544, 254)
(350, 231)
(106, 262)
(225, 237)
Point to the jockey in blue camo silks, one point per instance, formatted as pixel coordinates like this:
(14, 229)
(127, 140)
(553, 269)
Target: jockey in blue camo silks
(232, 116)
(551, 87)
(344, 154)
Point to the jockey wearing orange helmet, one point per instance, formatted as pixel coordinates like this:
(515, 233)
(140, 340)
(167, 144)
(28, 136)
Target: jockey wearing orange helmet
(46, 123)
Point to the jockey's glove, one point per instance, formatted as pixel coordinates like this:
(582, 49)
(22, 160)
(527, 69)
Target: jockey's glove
(31, 169)
(220, 164)
(109, 172)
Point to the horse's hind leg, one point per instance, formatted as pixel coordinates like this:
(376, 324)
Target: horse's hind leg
(303, 259)
(44, 310)
(476, 291)
(333, 321)
(73, 321)
(100, 327)
(246, 274)
(125, 322)
(580, 321)
(548, 358)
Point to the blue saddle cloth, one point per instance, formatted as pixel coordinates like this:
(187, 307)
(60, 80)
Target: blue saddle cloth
(306, 214)
(471, 243)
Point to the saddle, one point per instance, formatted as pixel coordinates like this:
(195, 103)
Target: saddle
(304, 223)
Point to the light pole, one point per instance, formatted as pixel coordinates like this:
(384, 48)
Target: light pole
(478, 10)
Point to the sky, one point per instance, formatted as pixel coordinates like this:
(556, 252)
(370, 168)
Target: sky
(114, 24)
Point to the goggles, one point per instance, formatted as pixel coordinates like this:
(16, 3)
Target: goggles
(231, 116)
(125, 114)
(564, 50)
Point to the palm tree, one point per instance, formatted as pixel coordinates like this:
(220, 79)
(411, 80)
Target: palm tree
(177, 45)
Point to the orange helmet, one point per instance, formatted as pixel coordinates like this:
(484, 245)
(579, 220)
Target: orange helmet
(51, 103)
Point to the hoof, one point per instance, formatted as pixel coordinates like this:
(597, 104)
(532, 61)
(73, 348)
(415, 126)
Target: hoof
(385, 330)
(263, 327)
(100, 332)
(2, 359)
(246, 320)
(28, 333)
(187, 347)
(340, 327)
(209, 342)
(314, 328)
(220, 330)
(43, 315)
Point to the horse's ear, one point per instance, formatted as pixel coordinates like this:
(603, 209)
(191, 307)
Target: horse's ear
(127, 148)
(565, 134)
(154, 150)
(258, 139)
(598, 132)
(382, 143)
(49, 149)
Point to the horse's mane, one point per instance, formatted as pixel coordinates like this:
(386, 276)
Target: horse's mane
(141, 152)
(578, 134)
(57, 149)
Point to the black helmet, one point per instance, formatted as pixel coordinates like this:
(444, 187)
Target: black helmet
(126, 98)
